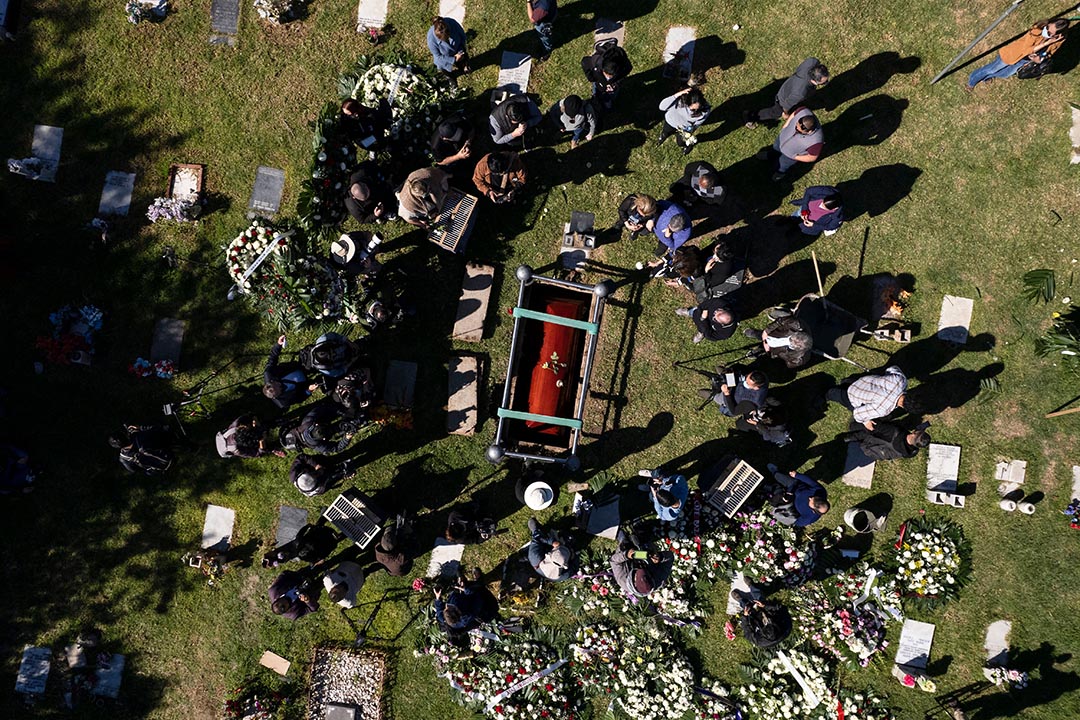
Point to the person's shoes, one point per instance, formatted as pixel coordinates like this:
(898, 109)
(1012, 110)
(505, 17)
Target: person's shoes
(643, 487)
(682, 312)
(705, 394)
(543, 58)
(662, 139)
(698, 337)
(755, 352)
(778, 176)
(534, 527)
(752, 333)
(686, 150)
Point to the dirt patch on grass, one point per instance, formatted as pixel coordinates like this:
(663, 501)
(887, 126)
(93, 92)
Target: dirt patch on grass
(1009, 422)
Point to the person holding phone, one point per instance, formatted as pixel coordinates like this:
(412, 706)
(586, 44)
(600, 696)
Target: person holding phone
(747, 390)
(667, 492)
(1039, 43)
(638, 572)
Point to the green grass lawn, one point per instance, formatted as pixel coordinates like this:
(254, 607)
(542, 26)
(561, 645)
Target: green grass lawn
(964, 192)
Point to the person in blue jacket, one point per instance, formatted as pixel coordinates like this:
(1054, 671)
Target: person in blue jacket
(820, 210)
(446, 41)
(803, 502)
(672, 229)
(668, 494)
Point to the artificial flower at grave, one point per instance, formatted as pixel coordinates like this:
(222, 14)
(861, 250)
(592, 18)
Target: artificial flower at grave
(931, 561)
(72, 334)
(279, 12)
(146, 10)
(418, 99)
(1006, 678)
(181, 210)
(143, 368)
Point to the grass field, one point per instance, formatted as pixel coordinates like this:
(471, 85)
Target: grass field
(963, 192)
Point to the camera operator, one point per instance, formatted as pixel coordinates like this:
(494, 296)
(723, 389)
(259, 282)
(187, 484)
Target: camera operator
(315, 474)
(736, 388)
(463, 607)
(293, 595)
(287, 383)
(332, 354)
(354, 394)
(245, 438)
(146, 449)
(355, 253)
(391, 552)
(768, 421)
(466, 527)
(667, 492)
(318, 429)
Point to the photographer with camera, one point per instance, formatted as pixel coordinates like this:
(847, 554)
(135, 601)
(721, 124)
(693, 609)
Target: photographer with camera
(317, 431)
(244, 438)
(332, 354)
(639, 572)
(769, 421)
(465, 527)
(146, 449)
(549, 556)
(802, 502)
(293, 595)
(668, 493)
(287, 383)
(464, 606)
(733, 389)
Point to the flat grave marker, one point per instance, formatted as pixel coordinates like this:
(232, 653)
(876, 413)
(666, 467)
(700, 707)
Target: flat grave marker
(371, 14)
(603, 519)
(997, 643)
(473, 307)
(273, 661)
(400, 388)
(858, 469)
(224, 21)
(740, 583)
(955, 319)
(609, 30)
(218, 528)
(109, 676)
(445, 558)
(679, 52)
(462, 411)
(45, 147)
(290, 520)
(942, 467)
(266, 192)
(1011, 472)
(1076, 481)
(168, 340)
(116, 194)
(33, 670)
(453, 9)
(916, 639)
(514, 70)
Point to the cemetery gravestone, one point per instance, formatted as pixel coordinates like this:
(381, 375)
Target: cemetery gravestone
(858, 469)
(167, 341)
(33, 670)
(679, 52)
(45, 150)
(942, 471)
(224, 21)
(445, 558)
(290, 520)
(266, 193)
(955, 319)
(218, 528)
(453, 9)
(371, 14)
(514, 70)
(116, 194)
(462, 406)
(997, 643)
(916, 638)
(603, 519)
(1076, 481)
(400, 385)
(109, 674)
(473, 306)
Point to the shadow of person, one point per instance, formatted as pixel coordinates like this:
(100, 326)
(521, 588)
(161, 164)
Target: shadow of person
(923, 357)
(605, 154)
(618, 443)
(423, 482)
(877, 190)
(728, 115)
(712, 52)
(867, 296)
(869, 75)
(770, 240)
(787, 284)
(1047, 683)
(949, 389)
(870, 121)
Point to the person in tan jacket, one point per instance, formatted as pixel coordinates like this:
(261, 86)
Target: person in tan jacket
(1040, 42)
(499, 175)
(421, 196)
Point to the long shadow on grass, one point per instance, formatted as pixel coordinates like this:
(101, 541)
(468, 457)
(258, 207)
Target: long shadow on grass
(1048, 683)
(870, 74)
(877, 190)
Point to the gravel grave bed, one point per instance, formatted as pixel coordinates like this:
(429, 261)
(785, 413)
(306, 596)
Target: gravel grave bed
(348, 677)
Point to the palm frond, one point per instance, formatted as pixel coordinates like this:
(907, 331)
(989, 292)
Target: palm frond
(1039, 285)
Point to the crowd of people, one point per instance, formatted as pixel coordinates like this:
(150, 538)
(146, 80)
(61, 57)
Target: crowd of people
(337, 371)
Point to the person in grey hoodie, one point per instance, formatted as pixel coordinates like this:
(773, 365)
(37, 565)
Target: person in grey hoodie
(808, 77)
(576, 116)
(684, 112)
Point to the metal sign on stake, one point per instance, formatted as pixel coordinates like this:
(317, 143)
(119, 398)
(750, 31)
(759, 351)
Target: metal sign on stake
(965, 51)
(239, 286)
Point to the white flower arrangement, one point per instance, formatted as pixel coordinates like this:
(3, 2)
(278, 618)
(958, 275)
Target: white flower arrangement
(932, 560)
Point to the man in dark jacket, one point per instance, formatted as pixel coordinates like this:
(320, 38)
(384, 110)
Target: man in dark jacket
(451, 146)
(796, 90)
(887, 441)
(715, 319)
(803, 502)
(145, 449)
(606, 68)
(370, 198)
(364, 126)
(318, 429)
(700, 183)
(513, 118)
(785, 339)
(313, 544)
(312, 474)
(293, 596)
(285, 384)
(750, 388)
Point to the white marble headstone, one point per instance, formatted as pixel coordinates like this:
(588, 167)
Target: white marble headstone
(955, 319)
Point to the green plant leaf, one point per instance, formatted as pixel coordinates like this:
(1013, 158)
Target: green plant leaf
(1039, 285)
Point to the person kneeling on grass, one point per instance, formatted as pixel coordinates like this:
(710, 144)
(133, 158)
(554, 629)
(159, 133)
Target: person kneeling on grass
(312, 545)
(464, 607)
(887, 441)
(499, 176)
(637, 213)
(715, 319)
(292, 595)
(548, 555)
(786, 339)
(803, 500)
(751, 387)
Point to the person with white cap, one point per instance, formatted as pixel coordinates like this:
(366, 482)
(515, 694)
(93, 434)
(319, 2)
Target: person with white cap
(354, 252)
(535, 492)
(311, 474)
(548, 555)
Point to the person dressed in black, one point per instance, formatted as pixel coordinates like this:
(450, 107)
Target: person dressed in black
(700, 183)
(332, 354)
(286, 383)
(637, 214)
(364, 126)
(354, 393)
(321, 430)
(370, 197)
(145, 449)
(452, 146)
(606, 69)
(714, 318)
(769, 422)
(354, 253)
(514, 118)
(391, 552)
(315, 474)
(464, 607)
(466, 526)
(246, 437)
(887, 441)
(312, 545)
